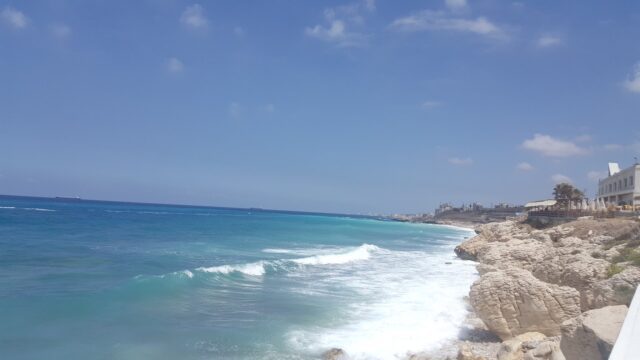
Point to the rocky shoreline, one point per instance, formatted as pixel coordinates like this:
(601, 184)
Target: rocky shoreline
(555, 293)
(558, 293)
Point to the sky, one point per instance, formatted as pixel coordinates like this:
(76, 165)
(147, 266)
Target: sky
(372, 106)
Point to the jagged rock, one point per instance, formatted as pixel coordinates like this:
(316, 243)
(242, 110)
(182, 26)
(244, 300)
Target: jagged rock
(334, 354)
(531, 346)
(547, 349)
(617, 290)
(465, 353)
(513, 302)
(512, 349)
(591, 335)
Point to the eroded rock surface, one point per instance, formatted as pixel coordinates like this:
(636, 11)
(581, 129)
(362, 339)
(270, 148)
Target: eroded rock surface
(591, 335)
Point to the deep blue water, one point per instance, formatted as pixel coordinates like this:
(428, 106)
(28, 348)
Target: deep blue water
(98, 280)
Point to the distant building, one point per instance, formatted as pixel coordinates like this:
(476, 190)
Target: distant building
(621, 187)
(443, 208)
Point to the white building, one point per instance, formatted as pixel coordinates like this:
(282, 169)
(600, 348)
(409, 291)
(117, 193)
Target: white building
(621, 187)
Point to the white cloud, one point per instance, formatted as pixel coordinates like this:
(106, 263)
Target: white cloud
(430, 104)
(456, 5)
(14, 18)
(596, 175)
(193, 17)
(235, 110)
(427, 20)
(174, 65)
(460, 161)
(559, 178)
(550, 146)
(613, 147)
(524, 166)
(340, 22)
(60, 31)
(633, 82)
(547, 41)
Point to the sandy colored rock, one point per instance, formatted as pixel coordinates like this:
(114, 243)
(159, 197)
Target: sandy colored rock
(465, 353)
(513, 302)
(334, 354)
(591, 335)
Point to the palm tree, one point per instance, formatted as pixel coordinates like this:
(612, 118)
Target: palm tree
(566, 194)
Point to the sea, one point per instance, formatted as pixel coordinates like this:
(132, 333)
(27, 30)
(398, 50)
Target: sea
(86, 279)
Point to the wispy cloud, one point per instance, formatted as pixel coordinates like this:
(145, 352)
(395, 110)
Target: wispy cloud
(548, 41)
(174, 65)
(524, 166)
(549, 146)
(60, 31)
(559, 178)
(613, 147)
(596, 175)
(339, 24)
(633, 81)
(429, 20)
(194, 17)
(460, 161)
(14, 18)
(456, 5)
(430, 104)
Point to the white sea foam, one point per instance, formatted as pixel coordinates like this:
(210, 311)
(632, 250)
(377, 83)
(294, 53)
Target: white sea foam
(251, 269)
(407, 302)
(363, 252)
(278, 251)
(7, 207)
(38, 209)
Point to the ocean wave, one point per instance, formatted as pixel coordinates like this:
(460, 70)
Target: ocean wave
(363, 252)
(251, 269)
(30, 209)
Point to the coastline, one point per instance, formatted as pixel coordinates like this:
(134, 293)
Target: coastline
(577, 265)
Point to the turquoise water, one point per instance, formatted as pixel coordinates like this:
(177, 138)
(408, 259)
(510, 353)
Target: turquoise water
(97, 280)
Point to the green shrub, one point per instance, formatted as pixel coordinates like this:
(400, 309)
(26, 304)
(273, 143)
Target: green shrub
(627, 255)
(614, 269)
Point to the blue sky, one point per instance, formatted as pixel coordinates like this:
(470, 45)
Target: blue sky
(344, 106)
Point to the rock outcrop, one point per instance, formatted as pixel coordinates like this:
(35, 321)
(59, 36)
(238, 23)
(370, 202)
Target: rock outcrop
(591, 335)
(334, 354)
(513, 302)
(550, 281)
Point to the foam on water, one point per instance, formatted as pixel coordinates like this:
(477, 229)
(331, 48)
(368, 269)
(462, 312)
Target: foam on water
(363, 252)
(252, 269)
(413, 302)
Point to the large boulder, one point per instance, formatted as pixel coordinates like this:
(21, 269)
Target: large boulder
(513, 302)
(591, 335)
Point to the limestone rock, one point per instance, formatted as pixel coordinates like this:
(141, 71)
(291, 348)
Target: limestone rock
(465, 353)
(591, 335)
(617, 290)
(334, 354)
(531, 346)
(513, 302)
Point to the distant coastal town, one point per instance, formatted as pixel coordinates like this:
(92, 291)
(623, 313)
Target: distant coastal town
(617, 195)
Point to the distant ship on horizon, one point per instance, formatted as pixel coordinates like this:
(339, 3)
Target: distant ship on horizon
(68, 198)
